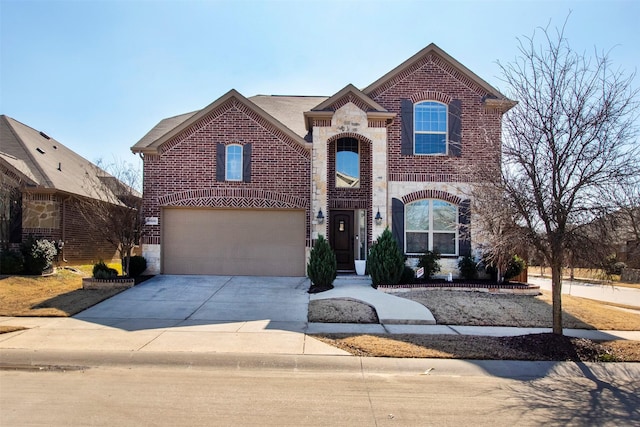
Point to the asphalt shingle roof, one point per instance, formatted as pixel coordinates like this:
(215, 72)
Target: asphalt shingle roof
(46, 162)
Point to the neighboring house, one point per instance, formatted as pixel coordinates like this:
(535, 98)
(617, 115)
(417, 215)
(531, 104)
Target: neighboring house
(245, 185)
(42, 182)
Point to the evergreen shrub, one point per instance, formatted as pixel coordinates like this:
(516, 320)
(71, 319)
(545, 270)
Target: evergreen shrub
(386, 262)
(322, 268)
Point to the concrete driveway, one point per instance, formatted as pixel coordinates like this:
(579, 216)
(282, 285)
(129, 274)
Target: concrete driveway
(163, 301)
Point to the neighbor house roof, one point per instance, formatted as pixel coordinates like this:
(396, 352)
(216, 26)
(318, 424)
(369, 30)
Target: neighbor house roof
(46, 164)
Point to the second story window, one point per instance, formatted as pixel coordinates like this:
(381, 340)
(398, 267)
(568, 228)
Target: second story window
(430, 128)
(347, 163)
(233, 163)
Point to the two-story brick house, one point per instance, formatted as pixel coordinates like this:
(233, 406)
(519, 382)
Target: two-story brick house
(245, 185)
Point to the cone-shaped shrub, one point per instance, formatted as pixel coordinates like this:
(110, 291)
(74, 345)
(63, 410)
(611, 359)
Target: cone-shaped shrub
(322, 267)
(386, 262)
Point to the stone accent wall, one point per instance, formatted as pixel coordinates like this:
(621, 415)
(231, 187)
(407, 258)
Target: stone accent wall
(349, 121)
(41, 211)
(56, 217)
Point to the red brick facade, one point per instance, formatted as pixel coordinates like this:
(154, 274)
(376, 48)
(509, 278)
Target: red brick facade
(184, 174)
(433, 80)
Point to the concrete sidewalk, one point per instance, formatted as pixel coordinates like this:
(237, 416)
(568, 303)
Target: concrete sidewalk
(216, 314)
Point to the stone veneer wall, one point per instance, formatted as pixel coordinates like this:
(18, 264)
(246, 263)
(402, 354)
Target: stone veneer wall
(56, 217)
(349, 121)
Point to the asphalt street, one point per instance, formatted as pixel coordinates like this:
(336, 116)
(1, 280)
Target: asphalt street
(315, 391)
(600, 292)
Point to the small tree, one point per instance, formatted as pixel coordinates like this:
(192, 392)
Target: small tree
(322, 268)
(468, 268)
(569, 146)
(386, 262)
(430, 261)
(515, 266)
(114, 211)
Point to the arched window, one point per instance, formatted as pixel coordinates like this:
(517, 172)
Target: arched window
(431, 224)
(233, 163)
(347, 163)
(430, 128)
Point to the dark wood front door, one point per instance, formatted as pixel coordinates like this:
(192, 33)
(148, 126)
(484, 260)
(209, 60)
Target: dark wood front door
(341, 238)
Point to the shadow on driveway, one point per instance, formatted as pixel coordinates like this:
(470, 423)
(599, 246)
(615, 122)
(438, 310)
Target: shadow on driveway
(208, 303)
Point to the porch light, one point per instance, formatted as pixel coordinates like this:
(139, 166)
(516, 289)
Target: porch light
(320, 217)
(378, 218)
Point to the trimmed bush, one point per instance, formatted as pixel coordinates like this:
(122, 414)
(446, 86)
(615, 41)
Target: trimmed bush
(612, 266)
(103, 271)
(408, 275)
(386, 262)
(468, 268)
(38, 255)
(11, 262)
(430, 261)
(515, 266)
(322, 268)
(137, 265)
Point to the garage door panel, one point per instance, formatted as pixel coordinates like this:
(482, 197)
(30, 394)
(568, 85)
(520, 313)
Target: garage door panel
(233, 242)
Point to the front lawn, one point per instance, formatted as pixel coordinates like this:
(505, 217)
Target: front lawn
(57, 295)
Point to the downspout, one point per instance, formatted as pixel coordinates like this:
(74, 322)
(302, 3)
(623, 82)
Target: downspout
(64, 226)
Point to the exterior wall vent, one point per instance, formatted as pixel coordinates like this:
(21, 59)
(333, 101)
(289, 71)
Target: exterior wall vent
(44, 135)
(40, 150)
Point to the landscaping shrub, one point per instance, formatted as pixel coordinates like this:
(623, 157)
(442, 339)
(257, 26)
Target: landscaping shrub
(103, 271)
(408, 275)
(386, 262)
(468, 268)
(38, 255)
(322, 268)
(515, 266)
(11, 262)
(430, 262)
(137, 265)
(611, 266)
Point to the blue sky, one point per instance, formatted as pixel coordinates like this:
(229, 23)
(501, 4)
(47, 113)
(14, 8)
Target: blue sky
(97, 75)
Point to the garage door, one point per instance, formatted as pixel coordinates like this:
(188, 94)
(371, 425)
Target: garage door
(233, 242)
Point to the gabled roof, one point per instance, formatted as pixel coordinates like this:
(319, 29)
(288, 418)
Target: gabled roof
(45, 164)
(349, 93)
(432, 49)
(354, 95)
(288, 109)
(159, 135)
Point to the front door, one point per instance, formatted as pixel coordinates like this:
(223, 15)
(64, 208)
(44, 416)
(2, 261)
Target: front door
(341, 237)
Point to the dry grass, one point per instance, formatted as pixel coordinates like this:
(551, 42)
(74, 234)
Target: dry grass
(58, 295)
(484, 309)
(525, 347)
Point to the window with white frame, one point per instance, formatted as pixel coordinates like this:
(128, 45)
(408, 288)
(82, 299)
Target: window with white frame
(430, 128)
(431, 224)
(233, 163)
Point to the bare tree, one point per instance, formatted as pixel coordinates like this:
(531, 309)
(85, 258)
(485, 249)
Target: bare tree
(568, 146)
(114, 211)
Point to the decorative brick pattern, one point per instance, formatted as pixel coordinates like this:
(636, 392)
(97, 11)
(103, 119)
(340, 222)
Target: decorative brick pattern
(431, 194)
(347, 99)
(184, 174)
(234, 198)
(431, 95)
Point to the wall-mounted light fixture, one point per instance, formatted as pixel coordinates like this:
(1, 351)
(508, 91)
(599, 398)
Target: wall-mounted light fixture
(378, 218)
(320, 217)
